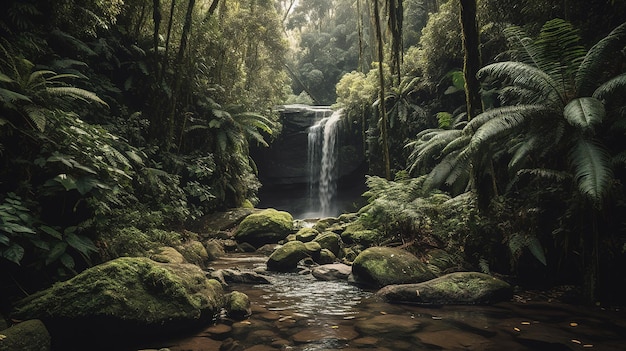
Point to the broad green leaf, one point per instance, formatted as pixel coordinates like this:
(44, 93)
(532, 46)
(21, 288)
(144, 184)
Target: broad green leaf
(537, 250)
(42, 244)
(68, 182)
(13, 253)
(4, 239)
(592, 169)
(56, 251)
(67, 261)
(82, 244)
(53, 232)
(17, 228)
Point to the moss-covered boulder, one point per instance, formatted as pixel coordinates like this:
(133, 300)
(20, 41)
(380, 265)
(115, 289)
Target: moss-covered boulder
(330, 241)
(380, 266)
(125, 298)
(194, 252)
(356, 233)
(306, 234)
(453, 288)
(30, 335)
(265, 227)
(325, 256)
(286, 257)
(238, 305)
(167, 254)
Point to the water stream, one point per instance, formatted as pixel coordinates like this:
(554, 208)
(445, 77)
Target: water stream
(297, 312)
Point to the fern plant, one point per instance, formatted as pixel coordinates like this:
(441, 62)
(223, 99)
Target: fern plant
(555, 107)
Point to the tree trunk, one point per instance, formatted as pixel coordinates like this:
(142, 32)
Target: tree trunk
(471, 61)
(381, 106)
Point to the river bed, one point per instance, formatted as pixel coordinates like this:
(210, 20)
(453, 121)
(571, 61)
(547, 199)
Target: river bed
(297, 312)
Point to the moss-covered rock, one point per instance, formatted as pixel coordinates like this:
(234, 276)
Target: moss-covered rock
(265, 227)
(356, 233)
(167, 254)
(330, 241)
(194, 252)
(306, 234)
(325, 256)
(453, 288)
(313, 247)
(125, 297)
(238, 305)
(380, 266)
(215, 248)
(286, 257)
(30, 335)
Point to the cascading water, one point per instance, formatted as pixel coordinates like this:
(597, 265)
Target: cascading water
(322, 159)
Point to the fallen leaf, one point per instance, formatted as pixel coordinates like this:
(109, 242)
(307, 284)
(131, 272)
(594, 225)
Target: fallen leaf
(587, 345)
(383, 312)
(2, 336)
(525, 323)
(573, 324)
(517, 329)
(576, 341)
(334, 327)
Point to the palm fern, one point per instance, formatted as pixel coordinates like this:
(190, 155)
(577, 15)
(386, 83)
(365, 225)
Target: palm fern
(550, 107)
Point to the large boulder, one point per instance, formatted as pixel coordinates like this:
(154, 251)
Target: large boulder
(380, 266)
(265, 227)
(30, 335)
(125, 298)
(453, 288)
(286, 257)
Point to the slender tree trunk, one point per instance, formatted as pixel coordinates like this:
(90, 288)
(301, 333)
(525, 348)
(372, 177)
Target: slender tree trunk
(396, 15)
(167, 41)
(178, 74)
(381, 105)
(156, 16)
(360, 29)
(471, 61)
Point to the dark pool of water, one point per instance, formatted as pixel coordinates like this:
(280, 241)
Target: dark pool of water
(297, 312)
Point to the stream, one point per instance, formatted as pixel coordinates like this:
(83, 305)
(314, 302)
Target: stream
(297, 312)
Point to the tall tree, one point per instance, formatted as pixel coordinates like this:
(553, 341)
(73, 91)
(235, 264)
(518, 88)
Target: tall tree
(381, 78)
(471, 60)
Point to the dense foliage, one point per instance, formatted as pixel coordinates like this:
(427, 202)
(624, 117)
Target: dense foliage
(121, 117)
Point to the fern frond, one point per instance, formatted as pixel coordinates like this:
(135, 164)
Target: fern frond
(584, 113)
(592, 169)
(613, 88)
(78, 93)
(590, 69)
(525, 76)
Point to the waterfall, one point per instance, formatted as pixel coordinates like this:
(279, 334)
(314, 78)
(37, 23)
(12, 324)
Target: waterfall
(322, 159)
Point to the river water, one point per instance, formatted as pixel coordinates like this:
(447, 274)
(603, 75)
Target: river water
(297, 312)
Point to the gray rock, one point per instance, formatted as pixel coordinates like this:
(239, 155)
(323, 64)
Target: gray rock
(453, 288)
(336, 271)
(235, 275)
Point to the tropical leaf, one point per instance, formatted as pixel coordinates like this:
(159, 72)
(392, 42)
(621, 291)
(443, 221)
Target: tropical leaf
(584, 113)
(78, 93)
(615, 87)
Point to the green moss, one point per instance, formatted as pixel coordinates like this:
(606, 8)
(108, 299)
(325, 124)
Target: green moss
(128, 289)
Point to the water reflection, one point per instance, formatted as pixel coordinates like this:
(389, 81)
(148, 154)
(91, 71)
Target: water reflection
(299, 313)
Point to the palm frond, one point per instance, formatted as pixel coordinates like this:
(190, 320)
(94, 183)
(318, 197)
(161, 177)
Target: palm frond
(613, 88)
(525, 76)
(592, 169)
(590, 69)
(522, 153)
(584, 113)
(441, 171)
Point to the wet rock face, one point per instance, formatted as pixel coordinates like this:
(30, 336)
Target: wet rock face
(380, 266)
(453, 288)
(265, 227)
(125, 298)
